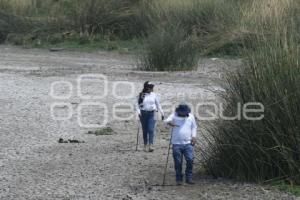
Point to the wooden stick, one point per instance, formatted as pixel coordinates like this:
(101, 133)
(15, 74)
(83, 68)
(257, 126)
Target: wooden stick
(166, 166)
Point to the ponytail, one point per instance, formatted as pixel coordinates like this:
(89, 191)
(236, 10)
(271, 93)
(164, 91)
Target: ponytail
(142, 96)
(147, 85)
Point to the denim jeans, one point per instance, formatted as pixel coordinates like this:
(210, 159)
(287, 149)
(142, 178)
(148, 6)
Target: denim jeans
(186, 151)
(148, 125)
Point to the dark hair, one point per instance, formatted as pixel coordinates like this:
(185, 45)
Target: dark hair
(147, 86)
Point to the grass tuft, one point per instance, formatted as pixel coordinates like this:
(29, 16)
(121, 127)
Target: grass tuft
(169, 49)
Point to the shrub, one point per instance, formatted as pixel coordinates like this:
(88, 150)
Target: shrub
(4, 30)
(209, 20)
(11, 24)
(267, 149)
(15, 39)
(169, 49)
(179, 30)
(113, 17)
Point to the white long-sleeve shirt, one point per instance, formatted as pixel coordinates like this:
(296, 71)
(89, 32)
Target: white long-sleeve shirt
(150, 103)
(184, 130)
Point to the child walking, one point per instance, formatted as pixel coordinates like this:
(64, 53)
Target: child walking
(183, 139)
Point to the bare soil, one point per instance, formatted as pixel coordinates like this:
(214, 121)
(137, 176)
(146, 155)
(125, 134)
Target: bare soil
(33, 165)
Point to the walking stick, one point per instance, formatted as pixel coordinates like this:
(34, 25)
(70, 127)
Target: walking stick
(165, 172)
(137, 137)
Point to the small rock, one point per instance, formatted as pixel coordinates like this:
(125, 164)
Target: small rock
(62, 141)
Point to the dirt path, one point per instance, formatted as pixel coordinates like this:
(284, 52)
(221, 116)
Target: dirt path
(33, 165)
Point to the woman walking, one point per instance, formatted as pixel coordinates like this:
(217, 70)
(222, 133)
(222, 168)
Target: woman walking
(147, 105)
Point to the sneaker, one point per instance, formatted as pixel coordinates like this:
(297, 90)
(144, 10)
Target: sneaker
(190, 182)
(151, 148)
(145, 148)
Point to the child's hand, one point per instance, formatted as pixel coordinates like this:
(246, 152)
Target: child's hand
(194, 141)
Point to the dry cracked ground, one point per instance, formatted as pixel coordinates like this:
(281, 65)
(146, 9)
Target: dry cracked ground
(33, 165)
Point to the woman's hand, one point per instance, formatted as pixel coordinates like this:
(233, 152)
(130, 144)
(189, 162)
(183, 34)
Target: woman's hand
(172, 125)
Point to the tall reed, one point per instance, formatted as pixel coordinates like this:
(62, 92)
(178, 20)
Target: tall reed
(267, 149)
(204, 27)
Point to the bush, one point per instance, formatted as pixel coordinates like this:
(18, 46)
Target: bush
(268, 149)
(112, 17)
(169, 49)
(179, 30)
(4, 30)
(11, 24)
(209, 20)
(15, 39)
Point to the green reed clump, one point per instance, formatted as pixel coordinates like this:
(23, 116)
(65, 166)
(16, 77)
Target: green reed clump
(179, 31)
(267, 149)
(111, 17)
(169, 49)
(12, 24)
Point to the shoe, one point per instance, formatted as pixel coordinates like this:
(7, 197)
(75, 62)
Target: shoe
(178, 183)
(145, 148)
(190, 182)
(151, 148)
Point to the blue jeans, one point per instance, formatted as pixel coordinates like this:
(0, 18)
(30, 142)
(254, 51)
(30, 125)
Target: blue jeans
(148, 125)
(186, 150)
